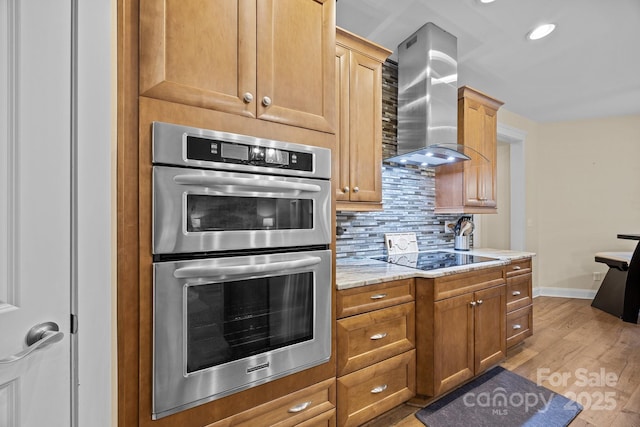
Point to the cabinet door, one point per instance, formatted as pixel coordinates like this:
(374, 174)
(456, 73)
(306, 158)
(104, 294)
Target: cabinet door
(365, 95)
(490, 327)
(341, 153)
(453, 342)
(199, 52)
(480, 132)
(473, 130)
(487, 179)
(295, 62)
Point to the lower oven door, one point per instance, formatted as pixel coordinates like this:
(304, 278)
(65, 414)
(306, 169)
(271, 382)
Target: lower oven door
(202, 210)
(226, 324)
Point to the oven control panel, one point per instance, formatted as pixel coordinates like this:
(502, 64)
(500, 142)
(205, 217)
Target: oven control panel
(212, 150)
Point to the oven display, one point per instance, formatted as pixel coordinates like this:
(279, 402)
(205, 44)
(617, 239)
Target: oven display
(212, 150)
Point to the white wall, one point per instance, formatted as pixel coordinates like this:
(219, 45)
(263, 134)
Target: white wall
(588, 192)
(583, 188)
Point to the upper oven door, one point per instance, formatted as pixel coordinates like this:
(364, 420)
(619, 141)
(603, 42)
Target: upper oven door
(206, 210)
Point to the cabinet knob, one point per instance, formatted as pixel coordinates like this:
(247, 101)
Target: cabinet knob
(266, 101)
(517, 326)
(356, 189)
(299, 408)
(345, 189)
(379, 389)
(472, 303)
(248, 97)
(480, 301)
(515, 293)
(378, 336)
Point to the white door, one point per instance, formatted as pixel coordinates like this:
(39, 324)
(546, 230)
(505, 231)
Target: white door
(35, 211)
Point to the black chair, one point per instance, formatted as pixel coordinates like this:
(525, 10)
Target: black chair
(611, 295)
(632, 289)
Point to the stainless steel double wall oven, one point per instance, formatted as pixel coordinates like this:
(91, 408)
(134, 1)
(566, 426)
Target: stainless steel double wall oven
(242, 266)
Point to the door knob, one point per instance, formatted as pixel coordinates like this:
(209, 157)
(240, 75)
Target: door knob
(38, 337)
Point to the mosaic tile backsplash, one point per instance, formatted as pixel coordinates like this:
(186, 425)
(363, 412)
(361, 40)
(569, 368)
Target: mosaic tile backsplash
(408, 196)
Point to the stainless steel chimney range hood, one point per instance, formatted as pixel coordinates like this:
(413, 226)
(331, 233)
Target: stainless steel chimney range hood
(428, 100)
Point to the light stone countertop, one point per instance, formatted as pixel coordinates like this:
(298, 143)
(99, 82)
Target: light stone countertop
(356, 272)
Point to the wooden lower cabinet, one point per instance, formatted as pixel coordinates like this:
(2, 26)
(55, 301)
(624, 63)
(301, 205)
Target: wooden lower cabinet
(519, 301)
(369, 392)
(376, 360)
(312, 406)
(372, 337)
(519, 325)
(461, 335)
(373, 297)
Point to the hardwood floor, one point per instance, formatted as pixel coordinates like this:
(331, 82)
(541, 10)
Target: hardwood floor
(598, 355)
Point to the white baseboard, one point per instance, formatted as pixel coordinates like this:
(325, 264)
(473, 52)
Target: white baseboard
(564, 293)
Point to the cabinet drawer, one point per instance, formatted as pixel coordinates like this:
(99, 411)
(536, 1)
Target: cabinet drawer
(326, 419)
(369, 392)
(462, 283)
(312, 403)
(373, 297)
(372, 337)
(519, 325)
(518, 292)
(522, 266)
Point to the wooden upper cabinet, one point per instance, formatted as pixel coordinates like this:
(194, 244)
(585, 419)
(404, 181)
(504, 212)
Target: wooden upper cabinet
(358, 158)
(471, 186)
(264, 59)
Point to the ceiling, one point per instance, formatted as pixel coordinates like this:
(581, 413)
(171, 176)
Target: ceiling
(588, 67)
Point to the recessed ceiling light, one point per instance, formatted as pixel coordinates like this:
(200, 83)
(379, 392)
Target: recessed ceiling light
(541, 31)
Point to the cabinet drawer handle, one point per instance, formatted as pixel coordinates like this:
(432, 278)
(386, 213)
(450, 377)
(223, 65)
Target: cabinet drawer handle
(299, 408)
(378, 336)
(378, 296)
(379, 389)
(515, 293)
(248, 97)
(517, 327)
(516, 267)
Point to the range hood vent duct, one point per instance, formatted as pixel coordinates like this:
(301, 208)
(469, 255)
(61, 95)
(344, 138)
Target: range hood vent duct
(428, 100)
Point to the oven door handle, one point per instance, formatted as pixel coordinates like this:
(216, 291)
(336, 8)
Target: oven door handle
(243, 270)
(261, 184)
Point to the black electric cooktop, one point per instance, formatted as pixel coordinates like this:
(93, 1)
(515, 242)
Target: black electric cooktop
(433, 260)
